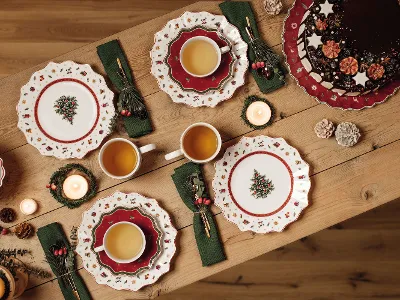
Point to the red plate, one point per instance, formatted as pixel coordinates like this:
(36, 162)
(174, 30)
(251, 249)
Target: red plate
(310, 85)
(150, 229)
(189, 82)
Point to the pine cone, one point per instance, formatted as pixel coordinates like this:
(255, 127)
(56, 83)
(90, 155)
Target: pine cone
(324, 129)
(7, 215)
(347, 134)
(273, 7)
(23, 230)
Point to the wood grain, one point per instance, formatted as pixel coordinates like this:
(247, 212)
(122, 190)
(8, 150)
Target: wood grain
(342, 181)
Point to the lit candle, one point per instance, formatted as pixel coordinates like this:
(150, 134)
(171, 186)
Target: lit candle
(258, 113)
(75, 187)
(28, 206)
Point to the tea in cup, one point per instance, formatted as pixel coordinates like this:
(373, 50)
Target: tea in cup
(123, 242)
(119, 158)
(200, 143)
(200, 56)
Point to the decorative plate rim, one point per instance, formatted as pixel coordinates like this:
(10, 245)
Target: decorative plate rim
(28, 100)
(155, 227)
(2, 172)
(223, 81)
(195, 103)
(288, 16)
(165, 267)
(250, 226)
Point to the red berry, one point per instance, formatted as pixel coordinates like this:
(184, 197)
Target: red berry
(200, 200)
(207, 202)
(55, 252)
(4, 231)
(65, 250)
(47, 186)
(128, 114)
(123, 112)
(258, 64)
(262, 64)
(253, 66)
(53, 187)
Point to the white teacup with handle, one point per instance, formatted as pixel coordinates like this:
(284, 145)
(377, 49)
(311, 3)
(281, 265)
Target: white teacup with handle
(114, 241)
(218, 51)
(120, 160)
(207, 132)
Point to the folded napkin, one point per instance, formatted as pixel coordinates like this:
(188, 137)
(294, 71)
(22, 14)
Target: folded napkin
(48, 235)
(108, 53)
(210, 249)
(236, 13)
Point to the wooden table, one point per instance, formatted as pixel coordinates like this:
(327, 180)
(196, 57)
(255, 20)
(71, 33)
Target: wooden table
(345, 182)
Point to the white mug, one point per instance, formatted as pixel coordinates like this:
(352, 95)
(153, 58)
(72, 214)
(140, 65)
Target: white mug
(103, 247)
(182, 151)
(218, 50)
(139, 152)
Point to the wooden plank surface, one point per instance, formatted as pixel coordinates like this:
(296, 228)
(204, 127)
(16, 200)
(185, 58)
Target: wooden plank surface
(341, 187)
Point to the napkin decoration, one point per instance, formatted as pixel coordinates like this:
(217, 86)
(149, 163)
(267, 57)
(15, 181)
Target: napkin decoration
(205, 230)
(130, 103)
(53, 240)
(266, 68)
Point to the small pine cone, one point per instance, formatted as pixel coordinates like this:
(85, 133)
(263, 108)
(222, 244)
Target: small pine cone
(7, 215)
(324, 129)
(23, 230)
(347, 134)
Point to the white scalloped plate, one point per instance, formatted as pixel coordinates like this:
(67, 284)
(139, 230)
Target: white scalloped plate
(171, 30)
(2, 172)
(276, 163)
(103, 275)
(53, 133)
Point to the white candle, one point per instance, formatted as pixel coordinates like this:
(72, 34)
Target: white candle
(28, 206)
(258, 113)
(75, 187)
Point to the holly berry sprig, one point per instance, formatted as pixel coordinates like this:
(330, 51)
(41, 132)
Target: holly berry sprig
(257, 65)
(60, 252)
(125, 113)
(202, 201)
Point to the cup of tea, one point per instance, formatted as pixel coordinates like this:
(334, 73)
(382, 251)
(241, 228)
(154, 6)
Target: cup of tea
(119, 158)
(200, 143)
(200, 56)
(123, 242)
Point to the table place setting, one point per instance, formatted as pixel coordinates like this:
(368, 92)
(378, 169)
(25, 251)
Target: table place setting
(261, 183)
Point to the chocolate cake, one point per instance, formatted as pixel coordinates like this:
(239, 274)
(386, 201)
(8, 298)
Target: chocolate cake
(351, 46)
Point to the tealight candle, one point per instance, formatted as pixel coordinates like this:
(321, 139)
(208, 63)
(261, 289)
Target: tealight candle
(75, 187)
(28, 206)
(258, 113)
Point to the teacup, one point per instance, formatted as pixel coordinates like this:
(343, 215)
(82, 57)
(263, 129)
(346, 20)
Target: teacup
(200, 143)
(119, 158)
(200, 56)
(123, 242)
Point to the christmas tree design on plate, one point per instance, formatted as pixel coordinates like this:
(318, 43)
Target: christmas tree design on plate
(261, 187)
(66, 106)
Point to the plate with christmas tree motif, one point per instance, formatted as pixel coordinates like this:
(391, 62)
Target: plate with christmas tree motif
(66, 110)
(261, 184)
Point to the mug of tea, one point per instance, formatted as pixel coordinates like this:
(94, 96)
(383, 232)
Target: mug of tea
(200, 56)
(123, 242)
(119, 158)
(200, 143)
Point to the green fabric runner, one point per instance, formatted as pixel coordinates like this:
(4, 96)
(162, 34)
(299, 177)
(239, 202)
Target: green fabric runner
(48, 235)
(108, 53)
(236, 13)
(210, 249)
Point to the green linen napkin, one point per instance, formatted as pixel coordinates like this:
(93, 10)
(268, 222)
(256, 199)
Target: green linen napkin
(48, 235)
(236, 13)
(108, 53)
(210, 249)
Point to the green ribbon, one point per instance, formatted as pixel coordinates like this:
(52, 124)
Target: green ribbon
(236, 13)
(210, 249)
(108, 53)
(48, 235)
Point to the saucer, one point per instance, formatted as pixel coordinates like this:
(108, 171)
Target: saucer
(261, 184)
(65, 110)
(188, 82)
(147, 224)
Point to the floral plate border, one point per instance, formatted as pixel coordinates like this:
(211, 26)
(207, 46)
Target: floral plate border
(171, 30)
(291, 27)
(2, 172)
(156, 228)
(277, 221)
(40, 80)
(104, 275)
